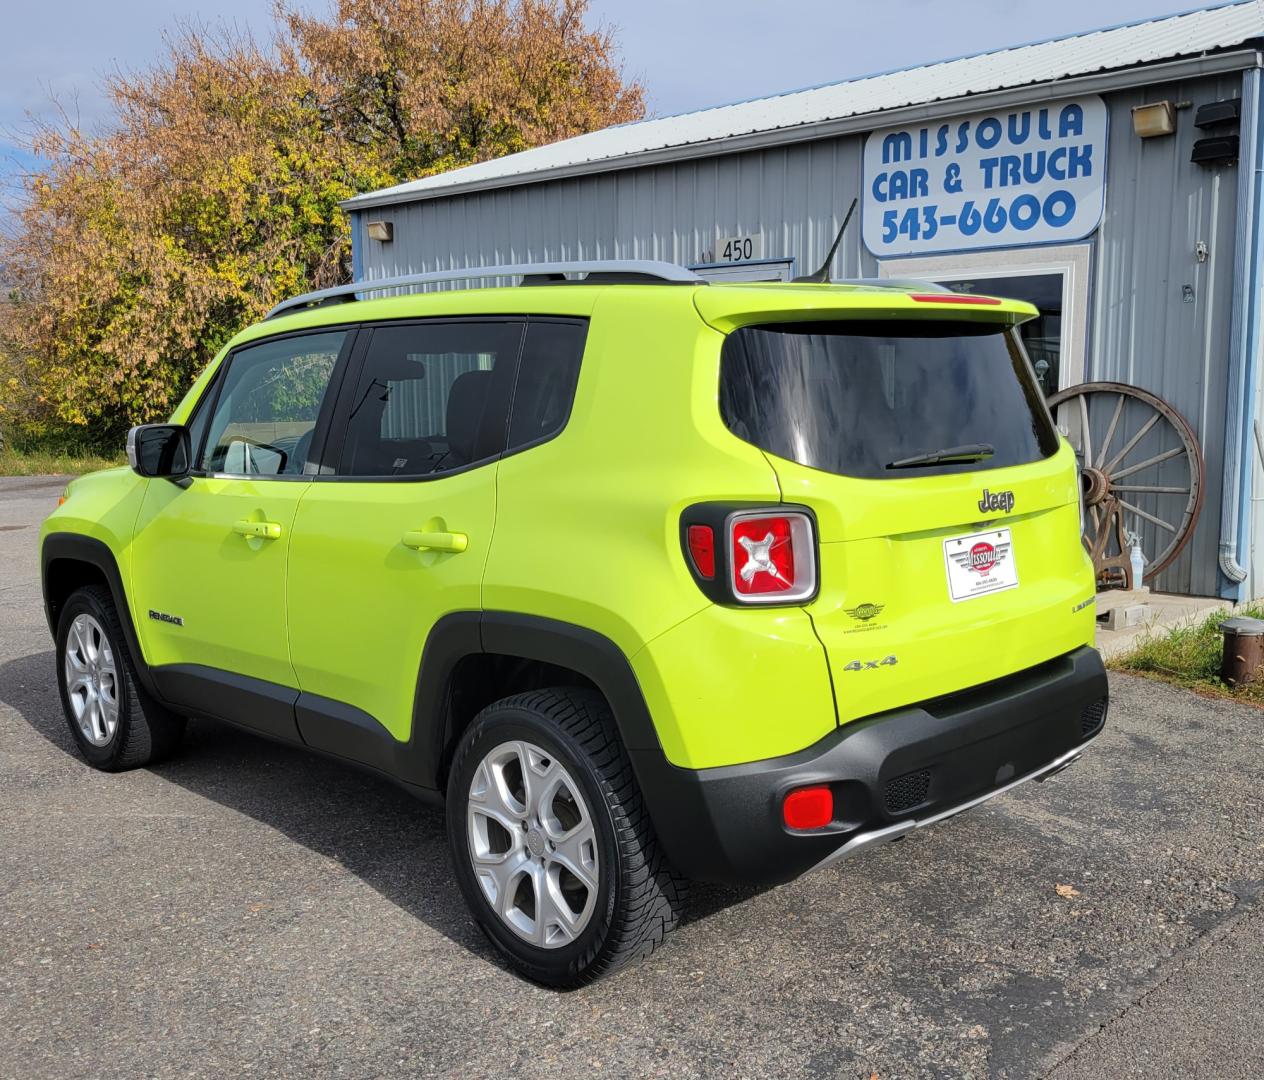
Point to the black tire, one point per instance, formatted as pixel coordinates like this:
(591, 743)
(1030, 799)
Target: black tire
(639, 895)
(145, 731)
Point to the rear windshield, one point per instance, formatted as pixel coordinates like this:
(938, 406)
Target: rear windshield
(857, 398)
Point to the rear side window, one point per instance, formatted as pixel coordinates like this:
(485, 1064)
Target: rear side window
(856, 398)
(546, 382)
(430, 398)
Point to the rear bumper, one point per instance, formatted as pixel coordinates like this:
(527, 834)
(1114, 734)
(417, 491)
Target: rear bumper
(890, 774)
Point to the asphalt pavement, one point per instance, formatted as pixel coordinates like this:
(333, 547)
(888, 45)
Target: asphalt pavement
(247, 909)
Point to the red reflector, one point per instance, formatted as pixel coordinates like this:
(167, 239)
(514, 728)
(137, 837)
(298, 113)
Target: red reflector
(953, 298)
(809, 808)
(762, 556)
(702, 549)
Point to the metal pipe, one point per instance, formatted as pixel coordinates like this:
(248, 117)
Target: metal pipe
(1239, 405)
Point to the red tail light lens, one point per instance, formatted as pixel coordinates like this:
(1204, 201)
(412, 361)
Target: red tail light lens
(702, 549)
(808, 808)
(953, 298)
(773, 557)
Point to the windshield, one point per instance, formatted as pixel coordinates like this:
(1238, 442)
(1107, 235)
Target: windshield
(885, 399)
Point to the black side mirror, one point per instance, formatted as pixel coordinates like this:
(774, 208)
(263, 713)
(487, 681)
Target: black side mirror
(159, 450)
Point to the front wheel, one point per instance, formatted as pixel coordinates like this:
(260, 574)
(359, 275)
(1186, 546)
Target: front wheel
(552, 845)
(115, 724)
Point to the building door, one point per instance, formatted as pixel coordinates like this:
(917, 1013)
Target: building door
(1054, 279)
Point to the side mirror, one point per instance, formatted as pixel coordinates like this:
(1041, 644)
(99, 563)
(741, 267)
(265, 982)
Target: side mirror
(159, 450)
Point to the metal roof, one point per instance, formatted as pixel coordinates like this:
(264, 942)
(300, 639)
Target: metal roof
(1189, 34)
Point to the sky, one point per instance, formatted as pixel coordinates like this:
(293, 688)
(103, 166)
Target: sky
(689, 53)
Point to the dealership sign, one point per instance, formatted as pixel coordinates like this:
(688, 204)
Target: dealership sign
(1031, 175)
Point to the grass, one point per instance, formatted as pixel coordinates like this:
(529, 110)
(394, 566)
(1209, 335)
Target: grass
(59, 462)
(1189, 656)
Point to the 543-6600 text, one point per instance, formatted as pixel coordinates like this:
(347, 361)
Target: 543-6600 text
(1022, 213)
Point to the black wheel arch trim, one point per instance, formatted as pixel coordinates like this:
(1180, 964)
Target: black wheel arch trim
(89, 551)
(528, 637)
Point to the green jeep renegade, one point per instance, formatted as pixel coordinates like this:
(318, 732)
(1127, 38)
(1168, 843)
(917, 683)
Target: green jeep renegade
(646, 579)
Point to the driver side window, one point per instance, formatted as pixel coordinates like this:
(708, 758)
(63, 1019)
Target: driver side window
(268, 404)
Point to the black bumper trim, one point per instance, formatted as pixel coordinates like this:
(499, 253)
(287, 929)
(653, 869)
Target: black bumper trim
(725, 824)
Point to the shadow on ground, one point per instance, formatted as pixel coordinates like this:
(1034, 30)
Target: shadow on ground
(386, 837)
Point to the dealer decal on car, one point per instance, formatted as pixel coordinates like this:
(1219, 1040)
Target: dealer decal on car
(979, 564)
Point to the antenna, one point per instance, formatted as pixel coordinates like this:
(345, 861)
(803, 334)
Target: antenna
(822, 276)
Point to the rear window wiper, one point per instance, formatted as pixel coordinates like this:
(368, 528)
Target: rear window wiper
(950, 455)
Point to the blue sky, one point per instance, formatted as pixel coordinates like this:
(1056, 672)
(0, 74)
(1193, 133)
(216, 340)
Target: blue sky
(689, 53)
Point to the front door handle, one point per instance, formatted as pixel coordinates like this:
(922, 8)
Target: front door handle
(265, 530)
(454, 542)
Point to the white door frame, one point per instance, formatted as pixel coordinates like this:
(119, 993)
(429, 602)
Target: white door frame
(1072, 261)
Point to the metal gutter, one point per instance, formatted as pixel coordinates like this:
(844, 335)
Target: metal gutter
(1244, 343)
(1167, 71)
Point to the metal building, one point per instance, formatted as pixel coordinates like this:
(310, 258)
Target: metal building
(1027, 172)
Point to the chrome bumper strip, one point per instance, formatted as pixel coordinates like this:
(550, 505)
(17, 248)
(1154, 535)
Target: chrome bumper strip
(874, 837)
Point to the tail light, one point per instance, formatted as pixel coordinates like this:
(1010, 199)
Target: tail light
(808, 807)
(745, 553)
(772, 557)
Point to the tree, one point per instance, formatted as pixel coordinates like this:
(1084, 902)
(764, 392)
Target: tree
(139, 251)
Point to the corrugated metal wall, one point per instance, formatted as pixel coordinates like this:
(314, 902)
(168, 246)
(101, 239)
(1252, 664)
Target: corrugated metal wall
(1141, 328)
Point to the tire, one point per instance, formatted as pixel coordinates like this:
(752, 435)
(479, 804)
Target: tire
(114, 722)
(624, 897)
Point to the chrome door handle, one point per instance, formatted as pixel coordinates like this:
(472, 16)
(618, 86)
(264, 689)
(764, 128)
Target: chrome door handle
(265, 530)
(418, 540)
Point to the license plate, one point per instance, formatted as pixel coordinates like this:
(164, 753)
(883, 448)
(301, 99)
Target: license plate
(979, 564)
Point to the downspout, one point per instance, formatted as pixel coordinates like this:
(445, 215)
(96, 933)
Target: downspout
(357, 256)
(1235, 511)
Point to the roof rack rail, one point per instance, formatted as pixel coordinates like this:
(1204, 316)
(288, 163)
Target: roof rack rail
(607, 271)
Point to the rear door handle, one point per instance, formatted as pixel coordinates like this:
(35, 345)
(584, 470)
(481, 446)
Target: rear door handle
(265, 530)
(454, 542)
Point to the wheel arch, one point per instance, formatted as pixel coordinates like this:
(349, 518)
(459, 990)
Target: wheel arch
(464, 648)
(69, 561)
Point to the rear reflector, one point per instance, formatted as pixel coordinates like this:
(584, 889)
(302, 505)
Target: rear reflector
(809, 808)
(773, 557)
(702, 549)
(953, 298)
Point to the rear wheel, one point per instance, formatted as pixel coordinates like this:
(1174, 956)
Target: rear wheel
(553, 848)
(115, 724)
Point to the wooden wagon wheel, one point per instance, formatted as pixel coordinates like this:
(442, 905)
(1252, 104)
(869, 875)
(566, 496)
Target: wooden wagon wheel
(1142, 470)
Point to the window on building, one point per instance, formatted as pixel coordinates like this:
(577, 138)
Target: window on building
(1042, 336)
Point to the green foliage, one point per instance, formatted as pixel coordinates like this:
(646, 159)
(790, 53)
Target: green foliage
(1189, 656)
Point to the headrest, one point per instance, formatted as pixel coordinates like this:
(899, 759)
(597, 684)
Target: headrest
(467, 399)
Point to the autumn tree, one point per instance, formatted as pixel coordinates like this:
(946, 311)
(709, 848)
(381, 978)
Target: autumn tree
(137, 252)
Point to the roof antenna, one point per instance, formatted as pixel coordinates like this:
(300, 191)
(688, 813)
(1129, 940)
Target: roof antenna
(822, 276)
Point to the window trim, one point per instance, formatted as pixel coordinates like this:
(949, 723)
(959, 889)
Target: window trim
(320, 431)
(329, 435)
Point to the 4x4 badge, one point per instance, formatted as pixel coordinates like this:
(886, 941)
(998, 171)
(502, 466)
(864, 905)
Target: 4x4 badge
(865, 612)
(997, 500)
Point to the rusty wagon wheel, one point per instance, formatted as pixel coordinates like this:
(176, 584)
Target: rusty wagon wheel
(1142, 470)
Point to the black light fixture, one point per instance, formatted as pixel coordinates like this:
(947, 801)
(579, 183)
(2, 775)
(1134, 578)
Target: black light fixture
(1218, 112)
(1224, 146)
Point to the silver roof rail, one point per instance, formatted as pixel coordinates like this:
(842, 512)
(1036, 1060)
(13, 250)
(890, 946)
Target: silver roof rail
(610, 271)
